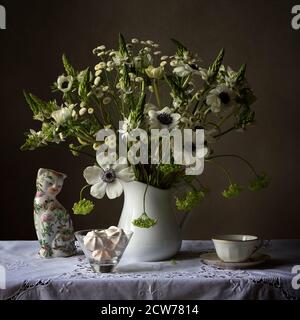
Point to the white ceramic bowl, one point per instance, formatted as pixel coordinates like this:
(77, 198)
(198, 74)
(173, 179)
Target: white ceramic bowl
(235, 248)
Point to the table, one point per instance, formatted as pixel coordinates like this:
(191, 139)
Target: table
(186, 277)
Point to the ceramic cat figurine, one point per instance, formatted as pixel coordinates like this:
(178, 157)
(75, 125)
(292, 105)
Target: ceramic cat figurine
(52, 223)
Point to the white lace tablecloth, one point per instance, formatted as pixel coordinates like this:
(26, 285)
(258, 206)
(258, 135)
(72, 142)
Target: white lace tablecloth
(186, 277)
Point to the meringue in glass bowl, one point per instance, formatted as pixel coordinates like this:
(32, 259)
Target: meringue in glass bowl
(103, 248)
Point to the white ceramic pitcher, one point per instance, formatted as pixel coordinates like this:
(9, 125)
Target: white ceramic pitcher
(163, 240)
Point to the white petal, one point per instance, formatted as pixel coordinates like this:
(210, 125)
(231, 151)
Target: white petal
(154, 123)
(93, 174)
(176, 116)
(165, 110)
(98, 189)
(121, 164)
(150, 107)
(215, 108)
(104, 160)
(152, 114)
(126, 174)
(114, 189)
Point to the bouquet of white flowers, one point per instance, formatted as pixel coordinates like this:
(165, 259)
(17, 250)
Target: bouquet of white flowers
(139, 87)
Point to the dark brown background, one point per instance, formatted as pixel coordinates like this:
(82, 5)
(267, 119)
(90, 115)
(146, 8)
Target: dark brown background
(256, 32)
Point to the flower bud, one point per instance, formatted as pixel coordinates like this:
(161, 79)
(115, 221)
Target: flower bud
(155, 73)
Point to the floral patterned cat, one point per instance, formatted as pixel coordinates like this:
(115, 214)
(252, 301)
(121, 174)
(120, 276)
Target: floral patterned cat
(52, 223)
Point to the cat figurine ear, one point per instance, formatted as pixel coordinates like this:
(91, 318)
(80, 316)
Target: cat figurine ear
(41, 172)
(52, 222)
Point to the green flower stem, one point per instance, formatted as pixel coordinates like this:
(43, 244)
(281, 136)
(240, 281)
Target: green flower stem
(120, 107)
(98, 120)
(82, 152)
(86, 136)
(142, 87)
(144, 221)
(214, 125)
(224, 132)
(186, 81)
(83, 206)
(217, 164)
(81, 191)
(98, 104)
(195, 107)
(144, 198)
(206, 112)
(222, 121)
(155, 88)
(168, 82)
(68, 148)
(105, 73)
(191, 186)
(202, 100)
(238, 157)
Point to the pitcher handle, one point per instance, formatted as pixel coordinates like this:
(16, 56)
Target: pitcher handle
(184, 220)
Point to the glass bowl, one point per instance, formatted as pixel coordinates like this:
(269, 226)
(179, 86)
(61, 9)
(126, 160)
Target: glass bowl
(109, 250)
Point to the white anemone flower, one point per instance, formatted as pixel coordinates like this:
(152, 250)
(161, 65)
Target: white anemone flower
(62, 115)
(64, 83)
(182, 69)
(150, 106)
(163, 119)
(106, 178)
(218, 97)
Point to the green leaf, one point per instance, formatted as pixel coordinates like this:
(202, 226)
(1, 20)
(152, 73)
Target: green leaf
(241, 74)
(68, 67)
(245, 118)
(41, 109)
(122, 45)
(214, 68)
(30, 102)
(177, 89)
(181, 49)
(247, 97)
(139, 112)
(83, 89)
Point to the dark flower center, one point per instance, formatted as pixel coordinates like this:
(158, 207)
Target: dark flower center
(108, 176)
(65, 85)
(193, 66)
(224, 97)
(164, 118)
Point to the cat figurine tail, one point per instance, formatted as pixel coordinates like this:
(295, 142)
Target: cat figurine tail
(52, 222)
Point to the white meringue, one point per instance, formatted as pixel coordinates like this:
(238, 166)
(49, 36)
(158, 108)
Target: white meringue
(102, 255)
(117, 237)
(113, 231)
(105, 243)
(93, 241)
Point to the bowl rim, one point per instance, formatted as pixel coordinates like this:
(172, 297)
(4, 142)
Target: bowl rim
(222, 238)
